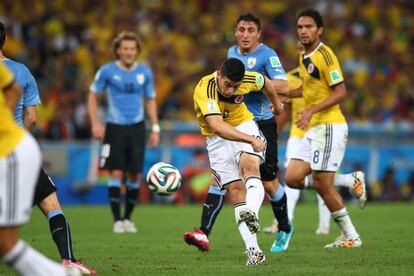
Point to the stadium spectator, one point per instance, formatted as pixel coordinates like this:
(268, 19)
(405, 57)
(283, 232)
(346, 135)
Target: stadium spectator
(373, 42)
(390, 191)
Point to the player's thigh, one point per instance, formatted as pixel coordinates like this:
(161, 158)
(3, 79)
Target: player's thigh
(328, 143)
(249, 165)
(18, 175)
(113, 152)
(136, 147)
(296, 172)
(268, 170)
(250, 128)
(224, 166)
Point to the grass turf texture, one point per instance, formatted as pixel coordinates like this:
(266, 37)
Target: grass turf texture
(158, 248)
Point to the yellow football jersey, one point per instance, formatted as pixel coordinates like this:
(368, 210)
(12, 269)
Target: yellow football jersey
(209, 101)
(294, 82)
(320, 70)
(10, 133)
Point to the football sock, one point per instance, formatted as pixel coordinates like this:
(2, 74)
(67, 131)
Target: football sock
(344, 180)
(254, 193)
(308, 182)
(324, 213)
(131, 199)
(114, 194)
(340, 180)
(59, 228)
(279, 207)
(211, 208)
(292, 199)
(250, 240)
(342, 219)
(27, 261)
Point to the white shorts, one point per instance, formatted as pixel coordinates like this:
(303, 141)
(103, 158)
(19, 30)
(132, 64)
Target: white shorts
(224, 155)
(323, 146)
(18, 176)
(292, 145)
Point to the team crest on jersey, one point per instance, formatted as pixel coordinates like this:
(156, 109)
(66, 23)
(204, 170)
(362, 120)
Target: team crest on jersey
(140, 78)
(311, 67)
(239, 99)
(117, 77)
(251, 62)
(211, 105)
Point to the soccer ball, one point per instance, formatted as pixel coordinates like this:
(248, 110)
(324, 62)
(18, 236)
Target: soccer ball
(163, 178)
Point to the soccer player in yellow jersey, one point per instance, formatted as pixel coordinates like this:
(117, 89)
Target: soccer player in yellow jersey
(351, 180)
(19, 166)
(234, 144)
(323, 146)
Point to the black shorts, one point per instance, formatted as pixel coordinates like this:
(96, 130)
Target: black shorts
(268, 170)
(44, 187)
(123, 147)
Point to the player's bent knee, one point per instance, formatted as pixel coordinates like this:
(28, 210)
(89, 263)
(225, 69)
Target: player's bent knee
(236, 191)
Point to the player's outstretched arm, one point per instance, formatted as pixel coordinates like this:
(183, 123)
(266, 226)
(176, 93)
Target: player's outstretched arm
(226, 131)
(296, 93)
(271, 92)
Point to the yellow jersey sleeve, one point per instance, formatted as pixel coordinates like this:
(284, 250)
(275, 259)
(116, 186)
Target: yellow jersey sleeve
(331, 70)
(6, 76)
(252, 81)
(10, 133)
(294, 80)
(205, 97)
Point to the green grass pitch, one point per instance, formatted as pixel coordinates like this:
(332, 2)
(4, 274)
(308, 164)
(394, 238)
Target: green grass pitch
(387, 232)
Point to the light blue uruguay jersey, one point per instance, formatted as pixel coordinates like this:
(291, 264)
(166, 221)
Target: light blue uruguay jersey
(263, 60)
(126, 91)
(28, 85)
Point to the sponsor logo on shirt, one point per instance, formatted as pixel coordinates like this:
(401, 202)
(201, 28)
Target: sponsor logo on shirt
(211, 105)
(275, 62)
(259, 80)
(117, 77)
(335, 77)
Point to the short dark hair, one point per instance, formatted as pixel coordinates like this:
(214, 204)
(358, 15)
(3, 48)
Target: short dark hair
(315, 15)
(126, 35)
(249, 17)
(2, 35)
(233, 69)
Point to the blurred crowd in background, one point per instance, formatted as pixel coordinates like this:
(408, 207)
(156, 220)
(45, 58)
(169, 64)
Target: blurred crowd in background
(64, 42)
